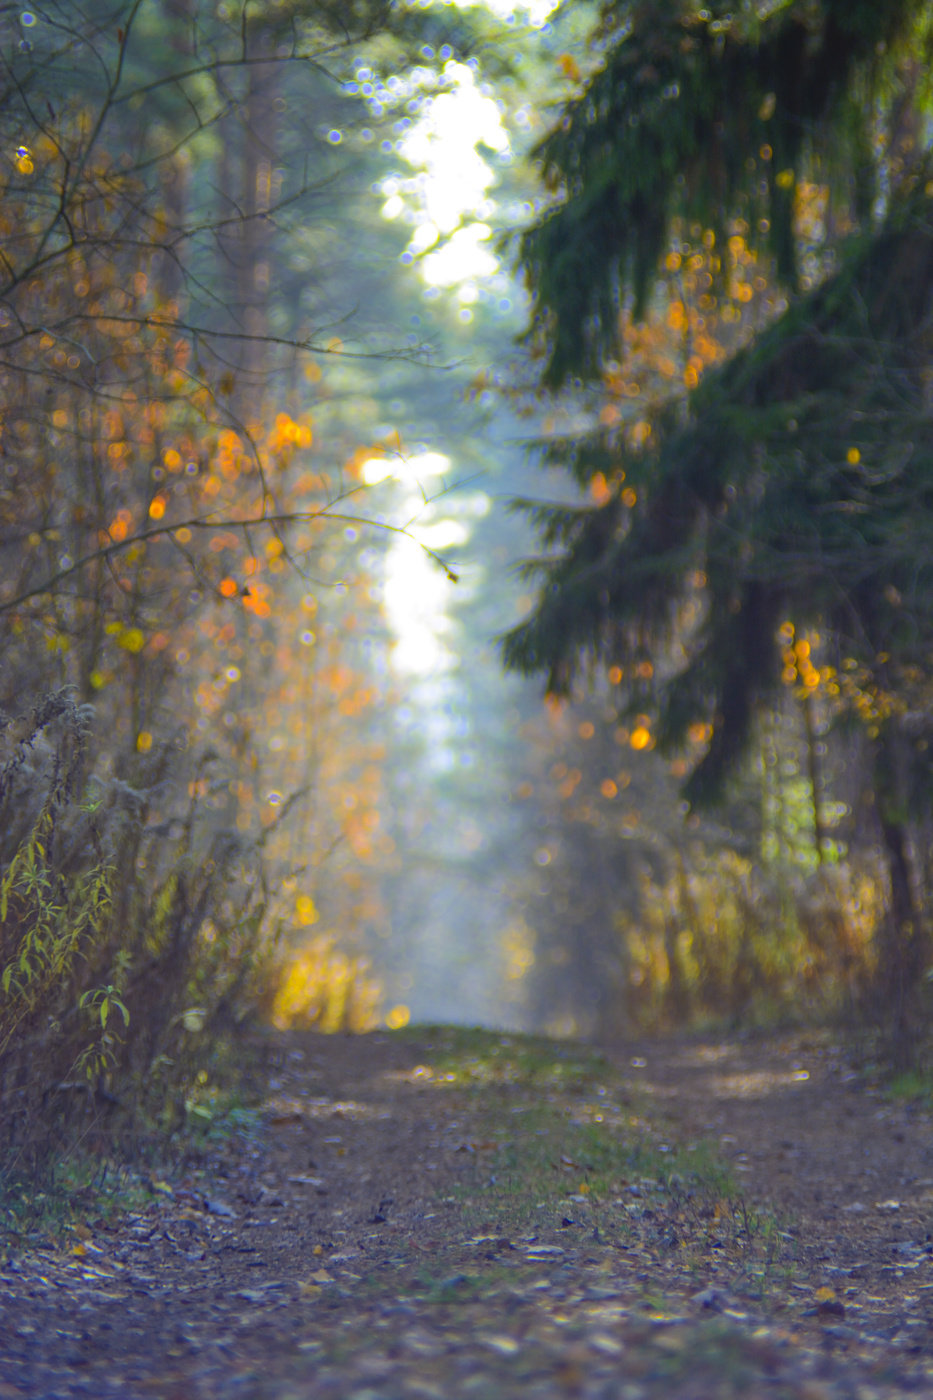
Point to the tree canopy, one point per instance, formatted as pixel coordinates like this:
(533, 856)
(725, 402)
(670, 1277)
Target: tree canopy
(786, 502)
(800, 487)
(711, 115)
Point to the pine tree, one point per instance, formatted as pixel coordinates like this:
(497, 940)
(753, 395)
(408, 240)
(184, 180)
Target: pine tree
(796, 483)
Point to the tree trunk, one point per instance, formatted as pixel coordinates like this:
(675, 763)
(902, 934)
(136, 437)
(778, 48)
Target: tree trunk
(175, 172)
(905, 944)
(256, 243)
(816, 779)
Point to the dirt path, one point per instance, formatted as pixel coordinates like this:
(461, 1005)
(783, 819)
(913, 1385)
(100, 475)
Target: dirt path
(851, 1174)
(446, 1214)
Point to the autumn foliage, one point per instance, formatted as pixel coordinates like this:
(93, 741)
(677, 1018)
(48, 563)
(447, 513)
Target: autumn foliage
(193, 776)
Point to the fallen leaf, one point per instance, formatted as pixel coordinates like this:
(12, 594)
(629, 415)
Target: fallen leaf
(280, 1111)
(715, 1299)
(219, 1208)
(82, 1232)
(505, 1346)
(887, 1206)
(606, 1344)
(322, 1276)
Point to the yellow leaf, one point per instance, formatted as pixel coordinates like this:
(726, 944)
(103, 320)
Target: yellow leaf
(305, 911)
(824, 1295)
(79, 1250)
(505, 1346)
(132, 640)
(321, 1276)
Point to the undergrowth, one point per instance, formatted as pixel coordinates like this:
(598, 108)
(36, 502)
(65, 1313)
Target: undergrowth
(133, 953)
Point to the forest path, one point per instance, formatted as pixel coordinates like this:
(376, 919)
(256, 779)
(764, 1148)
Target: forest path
(445, 1213)
(847, 1167)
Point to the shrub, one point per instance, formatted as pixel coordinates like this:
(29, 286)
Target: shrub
(726, 939)
(132, 950)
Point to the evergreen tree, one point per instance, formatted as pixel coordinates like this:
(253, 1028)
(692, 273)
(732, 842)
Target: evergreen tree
(793, 489)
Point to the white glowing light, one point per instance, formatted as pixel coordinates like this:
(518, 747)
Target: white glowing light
(443, 535)
(377, 469)
(451, 189)
(416, 597)
(417, 593)
(449, 197)
(443, 144)
(461, 258)
(410, 470)
(425, 237)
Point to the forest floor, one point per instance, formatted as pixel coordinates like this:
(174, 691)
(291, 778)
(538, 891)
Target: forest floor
(442, 1213)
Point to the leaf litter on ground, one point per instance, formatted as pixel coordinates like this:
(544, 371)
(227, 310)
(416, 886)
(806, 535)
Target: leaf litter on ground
(503, 1216)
